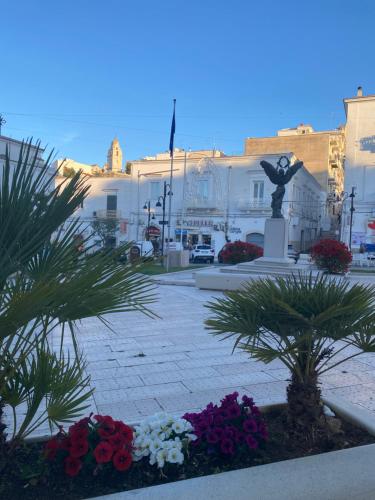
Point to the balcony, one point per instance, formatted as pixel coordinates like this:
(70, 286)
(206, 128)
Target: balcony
(203, 204)
(107, 214)
(246, 205)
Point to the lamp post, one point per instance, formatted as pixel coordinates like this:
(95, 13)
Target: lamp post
(147, 206)
(161, 203)
(344, 197)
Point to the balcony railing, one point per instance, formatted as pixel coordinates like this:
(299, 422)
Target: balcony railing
(208, 204)
(251, 205)
(107, 214)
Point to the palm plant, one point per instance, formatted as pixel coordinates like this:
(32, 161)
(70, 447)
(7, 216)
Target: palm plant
(310, 324)
(47, 286)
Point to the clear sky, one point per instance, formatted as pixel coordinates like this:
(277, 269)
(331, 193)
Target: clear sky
(75, 73)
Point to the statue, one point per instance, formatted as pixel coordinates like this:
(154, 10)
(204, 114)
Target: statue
(280, 176)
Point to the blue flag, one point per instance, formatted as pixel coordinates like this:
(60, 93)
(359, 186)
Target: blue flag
(173, 129)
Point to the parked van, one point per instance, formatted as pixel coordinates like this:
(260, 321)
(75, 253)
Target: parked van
(146, 248)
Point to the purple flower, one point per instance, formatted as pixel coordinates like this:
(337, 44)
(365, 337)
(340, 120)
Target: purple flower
(218, 420)
(212, 437)
(251, 442)
(219, 433)
(250, 425)
(239, 436)
(248, 401)
(230, 432)
(227, 446)
(234, 411)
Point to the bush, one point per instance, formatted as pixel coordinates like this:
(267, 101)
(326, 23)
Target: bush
(97, 444)
(230, 428)
(332, 256)
(240, 251)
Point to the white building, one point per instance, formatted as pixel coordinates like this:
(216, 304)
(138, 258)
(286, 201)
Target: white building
(360, 169)
(218, 198)
(14, 148)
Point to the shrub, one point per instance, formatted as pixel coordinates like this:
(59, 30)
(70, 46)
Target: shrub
(228, 429)
(332, 256)
(102, 442)
(163, 439)
(240, 251)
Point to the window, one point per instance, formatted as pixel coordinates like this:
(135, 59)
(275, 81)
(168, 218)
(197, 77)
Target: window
(203, 189)
(155, 190)
(111, 201)
(258, 191)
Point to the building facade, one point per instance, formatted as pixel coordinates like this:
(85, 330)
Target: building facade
(322, 154)
(359, 170)
(14, 148)
(218, 198)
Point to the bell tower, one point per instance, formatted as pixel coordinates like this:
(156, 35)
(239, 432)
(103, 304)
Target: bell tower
(114, 157)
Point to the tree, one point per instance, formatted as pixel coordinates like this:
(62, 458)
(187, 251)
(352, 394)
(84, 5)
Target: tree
(311, 324)
(105, 228)
(42, 276)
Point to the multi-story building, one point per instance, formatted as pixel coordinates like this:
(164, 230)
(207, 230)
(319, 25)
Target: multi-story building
(218, 198)
(322, 154)
(359, 170)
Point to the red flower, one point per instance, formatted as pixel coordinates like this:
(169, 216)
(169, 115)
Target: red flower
(122, 460)
(79, 448)
(72, 466)
(78, 432)
(65, 443)
(106, 425)
(117, 441)
(103, 452)
(51, 448)
(125, 430)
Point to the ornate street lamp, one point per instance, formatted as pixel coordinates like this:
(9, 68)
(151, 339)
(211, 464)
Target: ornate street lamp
(161, 203)
(147, 206)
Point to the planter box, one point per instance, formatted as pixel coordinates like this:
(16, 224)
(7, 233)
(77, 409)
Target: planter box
(338, 475)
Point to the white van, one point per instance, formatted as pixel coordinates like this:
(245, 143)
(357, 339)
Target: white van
(146, 248)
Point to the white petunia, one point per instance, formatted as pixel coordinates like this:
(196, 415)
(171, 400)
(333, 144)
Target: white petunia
(175, 456)
(161, 457)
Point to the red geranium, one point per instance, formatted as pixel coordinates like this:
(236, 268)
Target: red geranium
(332, 256)
(240, 251)
(122, 460)
(103, 452)
(72, 466)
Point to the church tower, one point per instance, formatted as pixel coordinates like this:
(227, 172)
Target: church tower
(114, 157)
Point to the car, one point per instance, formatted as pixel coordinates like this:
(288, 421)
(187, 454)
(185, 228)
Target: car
(203, 253)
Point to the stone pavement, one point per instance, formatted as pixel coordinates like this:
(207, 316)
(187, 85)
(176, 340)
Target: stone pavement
(172, 363)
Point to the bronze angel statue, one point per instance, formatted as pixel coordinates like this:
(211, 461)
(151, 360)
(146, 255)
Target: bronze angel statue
(280, 176)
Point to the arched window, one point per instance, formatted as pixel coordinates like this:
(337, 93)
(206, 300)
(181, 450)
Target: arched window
(256, 239)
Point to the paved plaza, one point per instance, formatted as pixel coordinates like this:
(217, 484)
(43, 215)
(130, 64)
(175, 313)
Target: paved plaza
(173, 364)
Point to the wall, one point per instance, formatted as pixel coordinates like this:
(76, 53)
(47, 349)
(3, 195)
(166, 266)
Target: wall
(360, 169)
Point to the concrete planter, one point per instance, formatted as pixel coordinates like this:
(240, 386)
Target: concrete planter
(338, 475)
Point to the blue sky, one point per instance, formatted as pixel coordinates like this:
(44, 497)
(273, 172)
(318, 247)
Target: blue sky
(77, 73)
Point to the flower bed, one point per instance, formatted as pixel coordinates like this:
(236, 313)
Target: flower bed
(93, 457)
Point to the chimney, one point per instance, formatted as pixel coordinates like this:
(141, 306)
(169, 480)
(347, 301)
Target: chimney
(359, 92)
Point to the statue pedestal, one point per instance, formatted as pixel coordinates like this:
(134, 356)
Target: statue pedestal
(276, 238)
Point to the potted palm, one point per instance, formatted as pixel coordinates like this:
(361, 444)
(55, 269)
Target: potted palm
(310, 324)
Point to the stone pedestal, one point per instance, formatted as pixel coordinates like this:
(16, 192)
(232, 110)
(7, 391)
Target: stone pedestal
(276, 238)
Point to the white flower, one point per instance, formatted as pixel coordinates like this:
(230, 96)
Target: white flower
(178, 427)
(161, 456)
(175, 456)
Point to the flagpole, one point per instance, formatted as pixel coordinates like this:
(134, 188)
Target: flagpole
(171, 150)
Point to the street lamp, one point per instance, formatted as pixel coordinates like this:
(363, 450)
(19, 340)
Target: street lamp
(162, 204)
(343, 198)
(147, 206)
